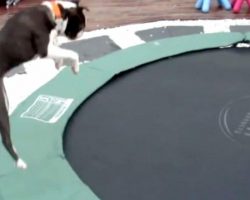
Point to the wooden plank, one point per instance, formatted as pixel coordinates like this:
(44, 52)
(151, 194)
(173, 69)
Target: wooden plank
(112, 13)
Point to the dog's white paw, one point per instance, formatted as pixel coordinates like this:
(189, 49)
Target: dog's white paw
(75, 62)
(58, 63)
(75, 67)
(21, 164)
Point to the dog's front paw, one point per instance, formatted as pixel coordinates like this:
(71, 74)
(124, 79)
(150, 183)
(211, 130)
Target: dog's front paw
(75, 63)
(58, 63)
(21, 164)
(75, 67)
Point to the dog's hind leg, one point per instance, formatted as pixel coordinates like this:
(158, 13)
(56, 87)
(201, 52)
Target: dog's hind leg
(5, 129)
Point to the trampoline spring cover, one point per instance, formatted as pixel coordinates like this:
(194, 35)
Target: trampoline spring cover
(37, 134)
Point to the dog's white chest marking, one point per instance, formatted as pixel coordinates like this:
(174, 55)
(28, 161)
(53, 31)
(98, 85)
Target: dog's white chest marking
(53, 38)
(61, 25)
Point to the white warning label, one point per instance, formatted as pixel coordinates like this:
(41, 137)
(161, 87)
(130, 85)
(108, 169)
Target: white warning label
(47, 109)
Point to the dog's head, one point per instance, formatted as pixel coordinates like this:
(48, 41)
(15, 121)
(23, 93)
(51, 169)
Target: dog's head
(70, 18)
(75, 22)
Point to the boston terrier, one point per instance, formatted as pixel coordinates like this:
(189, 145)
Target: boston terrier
(32, 33)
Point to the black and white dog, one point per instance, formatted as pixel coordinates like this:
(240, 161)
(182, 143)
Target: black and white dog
(31, 33)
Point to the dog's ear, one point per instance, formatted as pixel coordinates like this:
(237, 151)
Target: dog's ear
(82, 8)
(64, 12)
(77, 2)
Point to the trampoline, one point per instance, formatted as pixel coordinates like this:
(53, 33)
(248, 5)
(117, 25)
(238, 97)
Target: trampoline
(154, 132)
(168, 119)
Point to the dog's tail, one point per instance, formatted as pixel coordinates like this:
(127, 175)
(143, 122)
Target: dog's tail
(5, 126)
(85, 8)
(6, 99)
(4, 121)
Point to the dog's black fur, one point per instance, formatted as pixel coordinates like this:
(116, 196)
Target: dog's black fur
(25, 36)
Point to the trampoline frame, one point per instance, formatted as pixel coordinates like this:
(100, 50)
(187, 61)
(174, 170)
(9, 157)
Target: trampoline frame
(49, 175)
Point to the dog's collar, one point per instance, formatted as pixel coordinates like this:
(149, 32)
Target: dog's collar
(56, 10)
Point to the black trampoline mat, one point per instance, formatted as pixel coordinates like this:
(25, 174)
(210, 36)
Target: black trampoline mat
(174, 129)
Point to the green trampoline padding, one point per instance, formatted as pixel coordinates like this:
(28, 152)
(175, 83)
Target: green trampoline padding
(38, 123)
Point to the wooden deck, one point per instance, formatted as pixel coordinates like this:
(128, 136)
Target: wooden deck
(111, 13)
